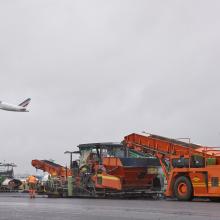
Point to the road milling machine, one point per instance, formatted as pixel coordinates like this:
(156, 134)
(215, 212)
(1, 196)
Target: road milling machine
(191, 170)
(109, 170)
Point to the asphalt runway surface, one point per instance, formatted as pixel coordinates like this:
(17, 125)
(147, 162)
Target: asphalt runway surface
(21, 207)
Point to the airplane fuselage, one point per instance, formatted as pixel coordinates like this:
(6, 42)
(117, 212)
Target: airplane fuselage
(9, 107)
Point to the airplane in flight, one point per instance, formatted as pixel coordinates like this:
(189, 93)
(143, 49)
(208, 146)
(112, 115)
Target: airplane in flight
(15, 108)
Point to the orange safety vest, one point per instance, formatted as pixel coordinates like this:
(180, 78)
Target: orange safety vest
(32, 179)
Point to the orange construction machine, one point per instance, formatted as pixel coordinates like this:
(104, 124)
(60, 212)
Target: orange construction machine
(58, 177)
(52, 168)
(191, 170)
(106, 170)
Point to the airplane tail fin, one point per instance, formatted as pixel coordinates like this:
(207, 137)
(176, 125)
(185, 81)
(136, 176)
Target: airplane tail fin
(25, 103)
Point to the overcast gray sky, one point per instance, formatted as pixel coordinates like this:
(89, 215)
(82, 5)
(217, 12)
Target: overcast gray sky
(99, 70)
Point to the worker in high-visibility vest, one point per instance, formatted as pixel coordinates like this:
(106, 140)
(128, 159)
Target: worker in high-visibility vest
(32, 181)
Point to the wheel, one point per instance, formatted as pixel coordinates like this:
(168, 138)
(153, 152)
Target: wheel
(183, 190)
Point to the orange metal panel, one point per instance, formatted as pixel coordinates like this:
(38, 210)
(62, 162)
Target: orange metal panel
(107, 181)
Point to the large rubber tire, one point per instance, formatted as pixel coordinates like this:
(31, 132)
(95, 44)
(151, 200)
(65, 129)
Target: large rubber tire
(183, 189)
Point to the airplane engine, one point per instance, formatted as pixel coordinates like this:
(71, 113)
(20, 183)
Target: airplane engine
(11, 184)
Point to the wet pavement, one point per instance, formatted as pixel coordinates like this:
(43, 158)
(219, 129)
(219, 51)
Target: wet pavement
(21, 207)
